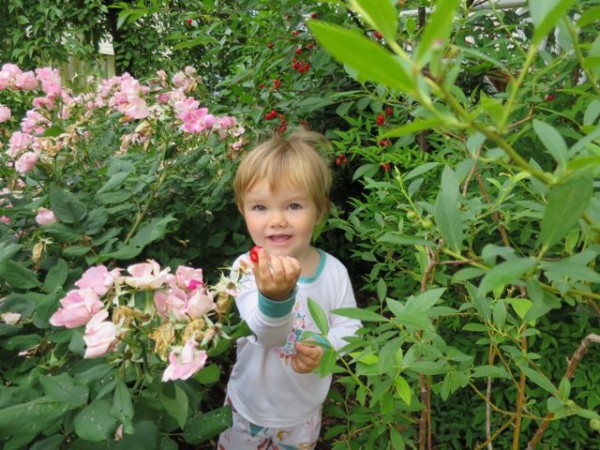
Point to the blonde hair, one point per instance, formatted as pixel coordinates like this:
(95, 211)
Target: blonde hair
(295, 159)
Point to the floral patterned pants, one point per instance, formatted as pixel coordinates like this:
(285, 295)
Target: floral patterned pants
(244, 435)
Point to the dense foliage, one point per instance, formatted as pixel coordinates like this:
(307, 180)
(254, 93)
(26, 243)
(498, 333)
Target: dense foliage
(466, 207)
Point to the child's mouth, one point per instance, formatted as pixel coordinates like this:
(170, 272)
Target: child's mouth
(279, 238)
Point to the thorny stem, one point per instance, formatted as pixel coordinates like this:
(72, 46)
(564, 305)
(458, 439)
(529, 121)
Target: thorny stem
(573, 363)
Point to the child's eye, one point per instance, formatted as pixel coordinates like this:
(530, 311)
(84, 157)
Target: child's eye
(258, 208)
(295, 206)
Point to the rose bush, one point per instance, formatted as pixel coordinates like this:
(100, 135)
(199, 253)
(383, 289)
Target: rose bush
(114, 173)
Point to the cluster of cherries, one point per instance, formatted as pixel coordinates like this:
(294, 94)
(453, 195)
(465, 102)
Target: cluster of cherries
(273, 114)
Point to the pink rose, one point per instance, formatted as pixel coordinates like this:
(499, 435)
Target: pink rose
(45, 216)
(100, 335)
(185, 275)
(18, 141)
(185, 363)
(98, 278)
(196, 121)
(4, 113)
(26, 162)
(146, 275)
(199, 303)
(76, 309)
(172, 303)
(5, 219)
(26, 81)
(137, 108)
(50, 79)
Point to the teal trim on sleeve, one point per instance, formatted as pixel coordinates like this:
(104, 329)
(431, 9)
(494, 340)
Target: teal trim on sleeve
(273, 309)
(314, 277)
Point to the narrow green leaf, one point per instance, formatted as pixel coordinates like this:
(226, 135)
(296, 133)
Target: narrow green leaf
(361, 314)
(446, 211)
(508, 272)
(370, 59)
(552, 140)
(437, 31)
(392, 237)
(545, 15)
(490, 372)
(411, 128)
(499, 314)
(424, 301)
(318, 315)
(542, 301)
(566, 204)
(382, 16)
(538, 378)
(403, 389)
(589, 16)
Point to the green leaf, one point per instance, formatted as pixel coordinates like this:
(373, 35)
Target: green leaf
(318, 315)
(370, 59)
(508, 272)
(446, 211)
(403, 389)
(114, 182)
(56, 277)
(66, 206)
(552, 140)
(538, 378)
(203, 427)
(382, 16)
(176, 406)
(412, 128)
(32, 417)
(437, 31)
(424, 301)
(209, 374)
(152, 231)
(545, 15)
(588, 16)
(392, 237)
(566, 204)
(95, 423)
(490, 372)
(62, 232)
(499, 314)
(543, 301)
(62, 389)
(122, 407)
(8, 250)
(18, 276)
(364, 315)
(366, 170)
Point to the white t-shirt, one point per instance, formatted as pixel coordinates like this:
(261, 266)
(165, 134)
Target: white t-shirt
(263, 386)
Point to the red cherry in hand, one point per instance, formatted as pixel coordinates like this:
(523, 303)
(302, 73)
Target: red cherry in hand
(254, 253)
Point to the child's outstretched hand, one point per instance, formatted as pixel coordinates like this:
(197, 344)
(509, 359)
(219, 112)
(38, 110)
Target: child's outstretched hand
(276, 276)
(307, 357)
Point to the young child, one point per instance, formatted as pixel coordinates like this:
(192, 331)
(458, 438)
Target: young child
(281, 189)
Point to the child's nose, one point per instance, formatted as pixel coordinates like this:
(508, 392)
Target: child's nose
(277, 219)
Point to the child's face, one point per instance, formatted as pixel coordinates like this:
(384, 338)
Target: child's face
(280, 220)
